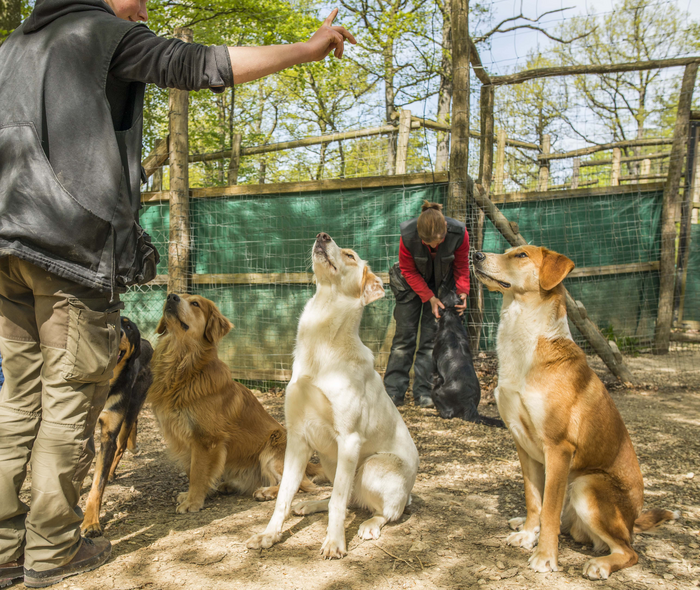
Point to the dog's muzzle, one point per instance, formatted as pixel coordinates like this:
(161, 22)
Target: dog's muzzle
(172, 304)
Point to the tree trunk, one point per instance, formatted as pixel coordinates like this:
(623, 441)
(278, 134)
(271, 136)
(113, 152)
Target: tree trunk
(445, 91)
(389, 97)
(10, 16)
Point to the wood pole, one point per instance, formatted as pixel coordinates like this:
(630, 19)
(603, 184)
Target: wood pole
(616, 166)
(500, 162)
(543, 180)
(179, 244)
(684, 238)
(402, 143)
(645, 169)
(458, 187)
(235, 161)
(575, 310)
(576, 173)
(668, 214)
(475, 304)
(604, 147)
(158, 157)
(157, 184)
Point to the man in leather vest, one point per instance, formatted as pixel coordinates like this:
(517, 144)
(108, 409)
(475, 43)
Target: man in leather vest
(72, 80)
(433, 259)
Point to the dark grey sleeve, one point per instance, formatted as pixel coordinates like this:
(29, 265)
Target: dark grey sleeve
(142, 56)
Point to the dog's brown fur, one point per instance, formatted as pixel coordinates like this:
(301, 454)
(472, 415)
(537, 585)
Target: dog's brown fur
(573, 446)
(215, 427)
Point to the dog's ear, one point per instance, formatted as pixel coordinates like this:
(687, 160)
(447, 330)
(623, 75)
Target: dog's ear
(554, 269)
(217, 325)
(372, 287)
(161, 328)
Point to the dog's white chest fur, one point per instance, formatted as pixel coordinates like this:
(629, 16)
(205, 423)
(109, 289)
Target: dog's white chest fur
(522, 406)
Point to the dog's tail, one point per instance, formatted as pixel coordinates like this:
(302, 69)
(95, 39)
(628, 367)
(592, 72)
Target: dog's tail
(314, 474)
(489, 421)
(654, 517)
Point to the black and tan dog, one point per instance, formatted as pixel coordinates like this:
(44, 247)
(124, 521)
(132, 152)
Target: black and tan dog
(456, 390)
(118, 421)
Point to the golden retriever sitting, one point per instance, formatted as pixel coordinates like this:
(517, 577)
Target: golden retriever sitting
(578, 463)
(215, 427)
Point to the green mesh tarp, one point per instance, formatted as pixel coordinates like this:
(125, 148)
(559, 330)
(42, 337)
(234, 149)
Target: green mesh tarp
(274, 234)
(691, 300)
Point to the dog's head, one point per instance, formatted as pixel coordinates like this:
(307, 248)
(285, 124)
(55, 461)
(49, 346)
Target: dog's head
(193, 317)
(450, 300)
(345, 271)
(520, 270)
(129, 346)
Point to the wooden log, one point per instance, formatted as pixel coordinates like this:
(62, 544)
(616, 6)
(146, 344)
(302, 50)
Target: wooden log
(157, 183)
(575, 173)
(668, 213)
(500, 161)
(645, 170)
(637, 66)
(479, 70)
(604, 147)
(459, 186)
(684, 337)
(584, 325)
(616, 167)
(235, 161)
(643, 157)
(179, 243)
(544, 165)
(645, 177)
(157, 157)
(402, 143)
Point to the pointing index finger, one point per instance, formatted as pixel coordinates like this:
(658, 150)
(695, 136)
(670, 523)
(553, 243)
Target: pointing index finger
(331, 17)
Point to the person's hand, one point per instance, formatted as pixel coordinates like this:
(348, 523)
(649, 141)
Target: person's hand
(436, 305)
(463, 306)
(328, 38)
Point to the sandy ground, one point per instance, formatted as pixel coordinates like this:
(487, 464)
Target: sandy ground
(453, 536)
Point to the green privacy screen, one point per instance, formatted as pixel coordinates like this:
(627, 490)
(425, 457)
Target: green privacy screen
(691, 300)
(274, 234)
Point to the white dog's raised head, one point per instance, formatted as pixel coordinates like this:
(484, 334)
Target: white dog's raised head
(345, 271)
(520, 270)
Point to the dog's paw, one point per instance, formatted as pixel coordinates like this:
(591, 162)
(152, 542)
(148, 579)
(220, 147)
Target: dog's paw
(596, 569)
(265, 494)
(524, 539)
(516, 524)
(185, 504)
(91, 530)
(371, 529)
(542, 561)
(305, 508)
(262, 541)
(333, 548)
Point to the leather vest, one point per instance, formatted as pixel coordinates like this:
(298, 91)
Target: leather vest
(438, 269)
(69, 178)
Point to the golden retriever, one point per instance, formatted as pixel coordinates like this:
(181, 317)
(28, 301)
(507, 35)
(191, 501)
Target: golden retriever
(215, 427)
(336, 404)
(579, 466)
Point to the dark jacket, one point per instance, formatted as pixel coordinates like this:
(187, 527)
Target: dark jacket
(70, 142)
(438, 271)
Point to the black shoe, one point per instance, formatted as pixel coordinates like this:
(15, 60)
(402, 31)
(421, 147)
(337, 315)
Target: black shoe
(11, 571)
(91, 555)
(425, 402)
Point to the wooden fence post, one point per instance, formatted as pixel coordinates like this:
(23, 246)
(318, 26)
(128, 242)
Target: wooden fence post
(402, 144)
(692, 163)
(544, 166)
(500, 161)
(667, 273)
(576, 173)
(616, 166)
(645, 170)
(157, 184)
(457, 190)
(235, 161)
(179, 244)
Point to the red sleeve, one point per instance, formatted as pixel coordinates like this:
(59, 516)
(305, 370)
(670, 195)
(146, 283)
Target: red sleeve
(411, 274)
(460, 266)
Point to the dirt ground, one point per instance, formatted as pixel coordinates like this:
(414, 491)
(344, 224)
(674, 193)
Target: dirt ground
(453, 535)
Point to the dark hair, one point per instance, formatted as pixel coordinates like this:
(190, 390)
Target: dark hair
(431, 223)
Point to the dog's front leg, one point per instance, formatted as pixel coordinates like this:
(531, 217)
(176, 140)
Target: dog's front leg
(296, 456)
(533, 476)
(348, 455)
(557, 464)
(206, 467)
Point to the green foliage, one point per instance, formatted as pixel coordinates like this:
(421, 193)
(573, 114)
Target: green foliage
(627, 344)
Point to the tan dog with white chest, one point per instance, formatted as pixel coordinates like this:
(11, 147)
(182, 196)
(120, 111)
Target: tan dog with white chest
(336, 405)
(579, 466)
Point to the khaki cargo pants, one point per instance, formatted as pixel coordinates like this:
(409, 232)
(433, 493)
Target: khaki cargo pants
(59, 343)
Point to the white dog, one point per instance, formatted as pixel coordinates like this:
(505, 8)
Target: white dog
(336, 405)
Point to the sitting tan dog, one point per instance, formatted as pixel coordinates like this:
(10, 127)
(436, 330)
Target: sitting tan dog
(578, 463)
(336, 405)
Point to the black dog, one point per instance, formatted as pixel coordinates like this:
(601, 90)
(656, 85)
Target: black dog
(456, 390)
(127, 392)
